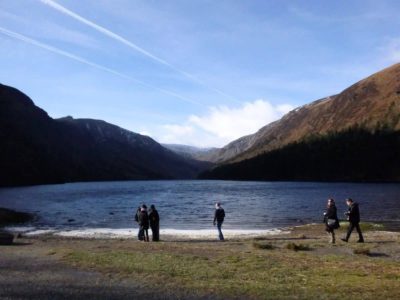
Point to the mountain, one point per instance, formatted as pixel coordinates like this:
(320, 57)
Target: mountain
(350, 136)
(370, 103)
(354, 154)
(202, 154)
(36, 149)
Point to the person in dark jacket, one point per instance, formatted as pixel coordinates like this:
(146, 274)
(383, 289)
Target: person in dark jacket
(219, 217)
(144, 223)
(353, 215)
(154, 219)
(330, 219)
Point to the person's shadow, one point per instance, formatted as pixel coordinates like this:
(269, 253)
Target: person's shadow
(17, 244)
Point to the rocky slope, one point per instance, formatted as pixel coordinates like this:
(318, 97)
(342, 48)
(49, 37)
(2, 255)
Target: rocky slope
(372, 102)
(36, 149)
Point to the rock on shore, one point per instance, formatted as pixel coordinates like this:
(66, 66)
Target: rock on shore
(8, 216)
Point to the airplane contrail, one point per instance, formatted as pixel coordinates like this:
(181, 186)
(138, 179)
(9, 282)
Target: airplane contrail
(121, 39)
(31, 41)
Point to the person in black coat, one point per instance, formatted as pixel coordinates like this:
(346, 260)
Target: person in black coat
(353, 215)
(330, 219)
(144, 223)
(154, 219)
(219, 216)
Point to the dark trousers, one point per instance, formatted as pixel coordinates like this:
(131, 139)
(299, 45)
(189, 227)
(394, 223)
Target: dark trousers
(351, 228)
(155, 229)
(143, 234)
(140, 235)
(220, 235)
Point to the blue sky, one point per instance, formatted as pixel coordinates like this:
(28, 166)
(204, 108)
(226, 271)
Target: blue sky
(193, 72)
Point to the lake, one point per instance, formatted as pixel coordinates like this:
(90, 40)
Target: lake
(189, 205)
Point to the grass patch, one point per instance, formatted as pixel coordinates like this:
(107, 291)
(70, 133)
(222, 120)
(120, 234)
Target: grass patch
(362, 251)
(297, 247)
(263, 246)
(247, 274)
(51, 252)
(365, 226)
(242, 270)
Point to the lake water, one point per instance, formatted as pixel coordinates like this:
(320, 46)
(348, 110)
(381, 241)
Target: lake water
(189, 205)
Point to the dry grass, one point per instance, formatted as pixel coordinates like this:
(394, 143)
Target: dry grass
(362, 251)
(263, 246)
(297, 247)
(243, 269)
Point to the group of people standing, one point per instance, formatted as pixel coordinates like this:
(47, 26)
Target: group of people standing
(151, 219)
(146, 219)
(332, 222)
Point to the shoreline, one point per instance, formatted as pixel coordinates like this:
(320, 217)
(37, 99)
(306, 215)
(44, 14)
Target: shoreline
(176, 235)
(131, 233)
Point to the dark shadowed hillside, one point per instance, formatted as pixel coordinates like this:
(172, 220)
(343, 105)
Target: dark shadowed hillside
(37, 149)
(351, 155)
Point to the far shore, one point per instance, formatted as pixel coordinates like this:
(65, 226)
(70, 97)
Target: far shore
(298, 263)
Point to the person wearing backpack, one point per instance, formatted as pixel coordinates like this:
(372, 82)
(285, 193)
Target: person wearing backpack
(219, 217)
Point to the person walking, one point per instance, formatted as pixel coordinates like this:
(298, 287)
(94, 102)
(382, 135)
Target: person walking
(154, 219)
(219, 217)
(353, 215)
(144, 223)
(330, 219)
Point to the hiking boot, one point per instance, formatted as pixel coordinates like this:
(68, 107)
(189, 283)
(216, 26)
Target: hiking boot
(360, 241)
(344, 240)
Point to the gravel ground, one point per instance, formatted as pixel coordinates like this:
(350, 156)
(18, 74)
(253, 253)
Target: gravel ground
(28, 270)
(28, 273)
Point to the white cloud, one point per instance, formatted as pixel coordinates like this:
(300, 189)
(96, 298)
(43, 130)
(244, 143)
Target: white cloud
(284, 108)
(144, 132)
(390, 51)
(393, 50)
(223, 124)
(232, 123)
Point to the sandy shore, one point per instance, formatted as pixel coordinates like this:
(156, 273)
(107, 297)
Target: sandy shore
(35, 267)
